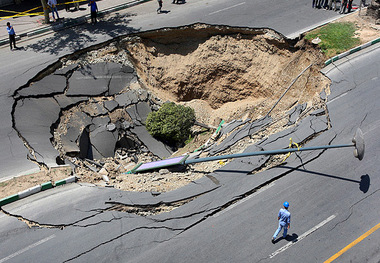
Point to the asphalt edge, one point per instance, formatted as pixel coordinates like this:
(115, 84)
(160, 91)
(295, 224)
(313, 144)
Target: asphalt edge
(36, 189)
(72, 22)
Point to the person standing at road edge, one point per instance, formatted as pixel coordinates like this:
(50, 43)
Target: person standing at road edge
(283, 221)
(94, 10)
(12, 35)
(53, 7)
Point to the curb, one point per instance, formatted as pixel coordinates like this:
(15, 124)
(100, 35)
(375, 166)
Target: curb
(36, 189)
(352, 51)
(73, 21)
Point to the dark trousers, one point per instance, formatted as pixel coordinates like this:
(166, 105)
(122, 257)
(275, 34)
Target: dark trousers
(12, 39)
(93, 17)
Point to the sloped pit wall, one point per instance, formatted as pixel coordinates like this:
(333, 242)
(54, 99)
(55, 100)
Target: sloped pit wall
(221, 65)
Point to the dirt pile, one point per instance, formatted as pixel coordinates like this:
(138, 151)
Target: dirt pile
(227, 75)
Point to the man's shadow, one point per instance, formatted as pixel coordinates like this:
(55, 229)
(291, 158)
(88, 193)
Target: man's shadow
(164, 11)
(290, 238)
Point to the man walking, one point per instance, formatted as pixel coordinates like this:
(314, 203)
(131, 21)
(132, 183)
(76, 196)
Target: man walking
(94, 10)
(12, 35)
(283, 221)
(159, 6)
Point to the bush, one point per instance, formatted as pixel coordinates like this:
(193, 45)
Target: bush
(171, 123)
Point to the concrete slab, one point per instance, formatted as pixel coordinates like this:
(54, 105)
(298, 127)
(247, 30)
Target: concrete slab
(95, 109)
(156, 147)
(49, 85)
(143, 110)
(247, 130)
(229, 127)
(127, 98)
(103, 142)
(110, 105)
(91, 80)
(120, 81)
(65, 102)
(295, 112)
(65, 70)
(33, 119)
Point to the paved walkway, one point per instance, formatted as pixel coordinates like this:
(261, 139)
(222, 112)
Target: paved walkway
(26, 26)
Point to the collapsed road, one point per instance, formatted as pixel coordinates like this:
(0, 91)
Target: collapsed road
(93, 104)
(143, 234)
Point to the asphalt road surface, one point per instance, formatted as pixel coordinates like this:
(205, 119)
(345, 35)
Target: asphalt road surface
(333, 196)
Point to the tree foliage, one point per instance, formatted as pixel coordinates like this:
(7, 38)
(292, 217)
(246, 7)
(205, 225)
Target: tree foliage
(171, 123)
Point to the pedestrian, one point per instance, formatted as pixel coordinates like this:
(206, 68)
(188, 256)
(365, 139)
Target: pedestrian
(94, 10)
(76, 5)
(349, 6)
(283, 221)
(343, 6)
(12, 35)
(53, 7)
(159, 6)
(331, 3)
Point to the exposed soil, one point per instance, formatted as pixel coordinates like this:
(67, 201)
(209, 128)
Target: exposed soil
(225, 76)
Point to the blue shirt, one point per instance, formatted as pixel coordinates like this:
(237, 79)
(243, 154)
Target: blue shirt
(93, 6)
(10, 30)
(284, 216)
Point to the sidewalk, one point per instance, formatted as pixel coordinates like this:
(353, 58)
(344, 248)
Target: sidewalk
(27, 26)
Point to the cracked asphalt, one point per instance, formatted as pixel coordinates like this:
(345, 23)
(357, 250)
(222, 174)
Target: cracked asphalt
(231, 220)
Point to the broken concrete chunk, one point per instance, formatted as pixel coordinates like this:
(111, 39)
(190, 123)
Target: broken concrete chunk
(95, 109)
(52, 84)
(156, 147)
(79, 119)
(119, 81)
(132, 112)
(101, 121)
(127, 98)
(65, 70)
(295, 113)
(143, 109)
(72, 134)
(111, 127)
(126, 125)
(90, 80)
(127, 69)
(143, 95)
(65, 101)
(103, 143)
(110, 105)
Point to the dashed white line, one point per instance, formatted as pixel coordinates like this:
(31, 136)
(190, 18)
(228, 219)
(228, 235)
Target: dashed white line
(224, 9)
(282, 249)
(26, 248)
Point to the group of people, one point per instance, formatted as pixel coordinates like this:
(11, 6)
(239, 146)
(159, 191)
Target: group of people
(328, 5)
(93, 8)
(53, 7)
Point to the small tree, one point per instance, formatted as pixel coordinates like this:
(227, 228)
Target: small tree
(171, 123)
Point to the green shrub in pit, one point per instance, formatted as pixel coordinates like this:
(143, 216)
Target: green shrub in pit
(171, 123)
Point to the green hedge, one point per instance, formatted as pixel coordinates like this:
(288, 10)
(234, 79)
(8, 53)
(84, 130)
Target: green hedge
(171, 123)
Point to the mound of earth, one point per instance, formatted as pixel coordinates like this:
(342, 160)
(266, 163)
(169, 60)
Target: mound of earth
(226, 73)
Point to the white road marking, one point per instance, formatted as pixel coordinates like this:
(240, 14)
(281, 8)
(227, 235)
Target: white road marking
(224, 9)
(26, 248)
(282, 249)
(243, 200)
